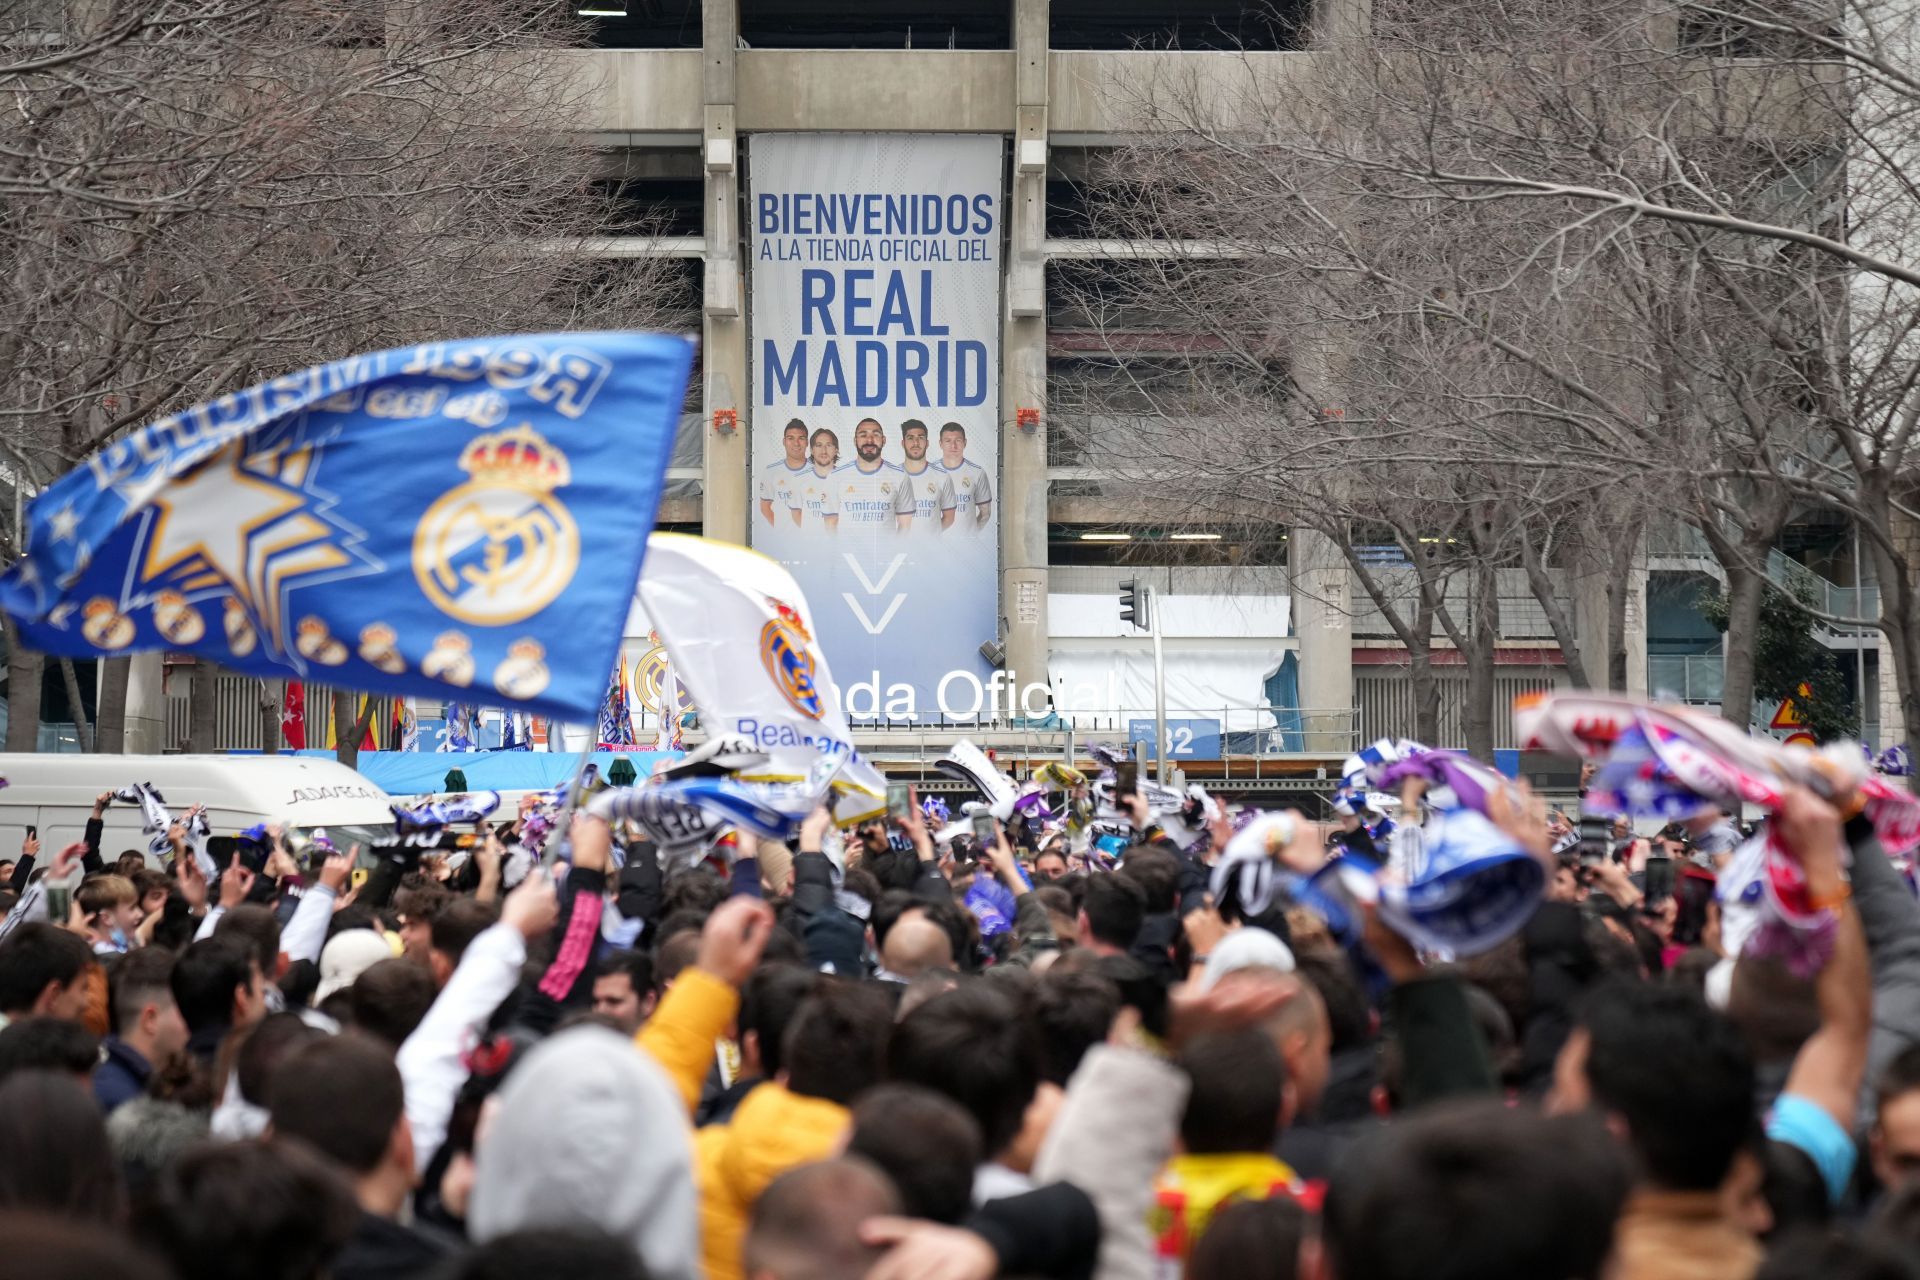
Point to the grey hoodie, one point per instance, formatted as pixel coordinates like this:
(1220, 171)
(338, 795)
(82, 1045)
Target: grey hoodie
(590, 1131)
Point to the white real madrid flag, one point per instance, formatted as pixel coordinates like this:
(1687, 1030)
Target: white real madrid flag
(741, 638)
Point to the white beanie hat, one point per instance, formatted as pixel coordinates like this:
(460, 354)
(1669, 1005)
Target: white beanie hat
(349, 954)
(1247, 947)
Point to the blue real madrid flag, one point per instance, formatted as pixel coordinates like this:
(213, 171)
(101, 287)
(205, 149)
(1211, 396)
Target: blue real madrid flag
(460, 519)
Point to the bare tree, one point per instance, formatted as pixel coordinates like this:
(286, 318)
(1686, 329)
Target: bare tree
(196, 195)
(1550, 364)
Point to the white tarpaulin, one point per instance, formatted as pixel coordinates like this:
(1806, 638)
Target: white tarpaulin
(1201, 680)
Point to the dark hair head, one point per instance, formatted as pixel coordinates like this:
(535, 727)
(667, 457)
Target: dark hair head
(54, 1155)
(420, 899)
(548, 1251)
(341, 1096)
(263, 1047)
(675, 923)
(1468, 1191)
(1157, 872)
(1900, 1077)
(258, 1210)
(259, 928)
(694, 889)
(1349, 1016)
(391, 997)
(768, 1003)
(1679, 1076)
(205, 978)
(41, 1246)
(48, 1044)
(1773, 1008)
(1250, 1240)
(973, 1045)
(674, 955)
(1075, 1011)
(925, 1143)
(463, 920)
(142, 977)
(955, 428)
(34, 955)
(1233, 1104)
(637, 965)
(833, 1047)
(1833, 1256)
(1794, 1189)
(1115, 908)
(806, 1224)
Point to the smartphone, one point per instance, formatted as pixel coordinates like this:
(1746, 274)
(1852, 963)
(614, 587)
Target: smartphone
(899, 799)
(33, 832)
(1659, 879)
(1126, 779)
(983, 828)
(59, 901)
(1595, 840)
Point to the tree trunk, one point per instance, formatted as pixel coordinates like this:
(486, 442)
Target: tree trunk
(273, 697)
(1482, 683)
(1746, 588)
(23, 693)
(1540, 583)
(110, 720)
(1422, 680)
(350, 730)
(203, 709)
(81, 729)
(1620, 581)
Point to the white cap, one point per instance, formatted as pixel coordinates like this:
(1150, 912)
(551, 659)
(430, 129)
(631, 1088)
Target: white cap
(349, 954)
(1247, 947)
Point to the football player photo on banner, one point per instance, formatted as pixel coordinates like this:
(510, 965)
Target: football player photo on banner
(875, 308)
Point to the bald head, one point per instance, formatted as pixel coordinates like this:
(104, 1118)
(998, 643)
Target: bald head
(1299, 1029)
(916, 944)
(806, 1224)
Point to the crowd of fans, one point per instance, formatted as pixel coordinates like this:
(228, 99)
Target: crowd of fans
(816, 1062)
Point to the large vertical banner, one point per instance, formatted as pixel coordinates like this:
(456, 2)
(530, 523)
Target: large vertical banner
(876, 355)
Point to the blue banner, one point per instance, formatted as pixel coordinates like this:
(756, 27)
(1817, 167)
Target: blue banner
(459, 519)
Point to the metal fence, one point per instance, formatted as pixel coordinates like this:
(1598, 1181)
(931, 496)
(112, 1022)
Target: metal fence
(1687, 677)
(1245, 741)
(240, 724)
(1387, 710)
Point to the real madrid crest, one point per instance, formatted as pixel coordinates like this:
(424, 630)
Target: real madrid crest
(500, 547)
(650, 676)
(785, 650)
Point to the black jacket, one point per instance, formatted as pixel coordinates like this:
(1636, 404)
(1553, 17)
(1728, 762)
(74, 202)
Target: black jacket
(383, 1250)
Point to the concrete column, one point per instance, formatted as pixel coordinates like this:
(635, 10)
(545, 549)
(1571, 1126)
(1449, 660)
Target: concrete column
(146, 705)
(1023, 383)
(1323, 621)
(1635, 631)
(724, 499)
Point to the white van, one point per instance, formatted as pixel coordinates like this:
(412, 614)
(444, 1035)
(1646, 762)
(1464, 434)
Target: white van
(55, 792)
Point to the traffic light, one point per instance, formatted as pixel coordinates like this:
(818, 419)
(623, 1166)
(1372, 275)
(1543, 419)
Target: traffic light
(1135, 601)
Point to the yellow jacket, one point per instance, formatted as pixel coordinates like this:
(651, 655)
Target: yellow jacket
(1192, 1188)
(693, 1015)
(773, 1130)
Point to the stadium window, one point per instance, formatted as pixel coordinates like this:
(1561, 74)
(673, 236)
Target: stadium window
(641, 24)
(1179, 24)
(884, 24)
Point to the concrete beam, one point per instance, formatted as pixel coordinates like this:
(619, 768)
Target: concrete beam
(896, 90)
